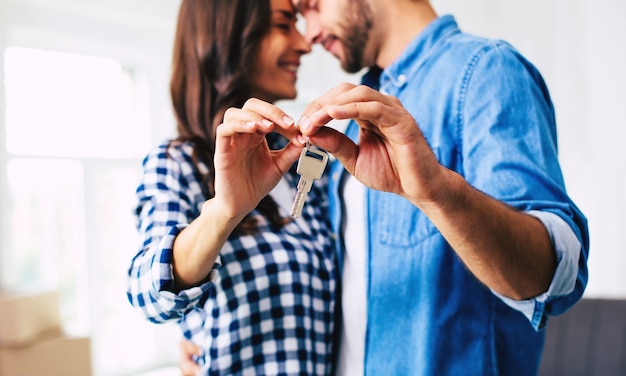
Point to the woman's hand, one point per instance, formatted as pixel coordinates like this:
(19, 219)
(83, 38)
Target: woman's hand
(246, 170)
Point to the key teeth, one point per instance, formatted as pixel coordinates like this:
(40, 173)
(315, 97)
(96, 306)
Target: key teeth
(295, 213)
(296, 209)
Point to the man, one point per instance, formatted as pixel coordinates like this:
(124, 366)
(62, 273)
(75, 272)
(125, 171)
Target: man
(471, 241)
(457, 237)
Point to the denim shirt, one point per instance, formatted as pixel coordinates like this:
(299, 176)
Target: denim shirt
(487, 114)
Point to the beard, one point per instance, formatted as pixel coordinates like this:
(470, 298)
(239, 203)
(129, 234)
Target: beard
(356, 31)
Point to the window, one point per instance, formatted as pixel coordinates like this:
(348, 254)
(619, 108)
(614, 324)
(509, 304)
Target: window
(76, 129)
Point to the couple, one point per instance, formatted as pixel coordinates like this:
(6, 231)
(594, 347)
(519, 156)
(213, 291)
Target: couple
(439, 242)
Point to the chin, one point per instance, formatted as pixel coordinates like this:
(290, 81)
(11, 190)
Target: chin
(351, 67)
(290, 94)
(276, 97)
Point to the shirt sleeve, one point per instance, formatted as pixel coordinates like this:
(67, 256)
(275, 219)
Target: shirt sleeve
(165, 207)
(509, 146)
(568, 250)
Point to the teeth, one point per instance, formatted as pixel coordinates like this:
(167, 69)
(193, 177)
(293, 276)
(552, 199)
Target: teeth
(293, 68)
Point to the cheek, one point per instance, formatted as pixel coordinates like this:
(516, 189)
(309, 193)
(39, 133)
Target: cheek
(264, 61)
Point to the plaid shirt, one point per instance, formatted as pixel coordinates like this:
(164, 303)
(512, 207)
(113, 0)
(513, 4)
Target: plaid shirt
(267, 306)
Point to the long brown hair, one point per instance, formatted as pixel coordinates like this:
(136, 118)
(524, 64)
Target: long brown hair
(215, 47)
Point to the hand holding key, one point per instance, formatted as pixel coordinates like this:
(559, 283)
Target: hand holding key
(391, 155)
(311, 166)
(246, 169)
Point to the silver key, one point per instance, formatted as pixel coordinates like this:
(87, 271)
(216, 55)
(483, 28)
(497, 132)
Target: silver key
(311, 166)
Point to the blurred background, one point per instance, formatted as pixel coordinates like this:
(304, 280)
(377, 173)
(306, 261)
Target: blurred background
(84, 95)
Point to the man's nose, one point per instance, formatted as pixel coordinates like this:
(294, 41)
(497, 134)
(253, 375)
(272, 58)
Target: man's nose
(313, 29)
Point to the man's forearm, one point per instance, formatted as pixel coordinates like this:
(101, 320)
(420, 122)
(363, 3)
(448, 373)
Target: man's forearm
(509, 251)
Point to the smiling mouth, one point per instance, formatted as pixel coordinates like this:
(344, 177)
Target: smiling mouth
(291, 67)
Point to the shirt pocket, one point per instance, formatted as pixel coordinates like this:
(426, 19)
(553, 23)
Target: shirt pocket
(401, 224)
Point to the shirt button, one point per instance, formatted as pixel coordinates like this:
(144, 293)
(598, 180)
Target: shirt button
(402, 78)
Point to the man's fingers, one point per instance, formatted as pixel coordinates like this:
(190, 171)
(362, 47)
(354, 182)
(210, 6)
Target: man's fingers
(348, 99)
(188, 368)
(394, 122)
(338, 144)
(189, 348)
(326, 99)
(186, 364)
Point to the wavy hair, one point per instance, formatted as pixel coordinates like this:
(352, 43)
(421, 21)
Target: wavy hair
(215, 47)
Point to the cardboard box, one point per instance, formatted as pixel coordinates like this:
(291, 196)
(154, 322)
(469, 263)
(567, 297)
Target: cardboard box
(26, 316)
(62, 356)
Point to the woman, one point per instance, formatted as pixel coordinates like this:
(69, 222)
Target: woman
(251, 287)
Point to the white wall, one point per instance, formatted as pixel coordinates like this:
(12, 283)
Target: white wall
(578, 45)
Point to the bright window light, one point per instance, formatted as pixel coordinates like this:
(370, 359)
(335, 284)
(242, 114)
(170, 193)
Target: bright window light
(47, 233)
(69, 105)
(76, 130)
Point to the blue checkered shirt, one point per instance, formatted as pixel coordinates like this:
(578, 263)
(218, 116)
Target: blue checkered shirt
(267, 306)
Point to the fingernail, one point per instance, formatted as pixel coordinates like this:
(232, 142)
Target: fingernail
(250, 124)
(266, 122)
(305, 124)
(288, 120)
(301, 139)
(300, 121)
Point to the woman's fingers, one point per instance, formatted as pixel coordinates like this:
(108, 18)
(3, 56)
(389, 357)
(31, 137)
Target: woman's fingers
(286, 157)
(235, 127)
(285, 125)
(237, 120)
(270, 112)
(259, 116)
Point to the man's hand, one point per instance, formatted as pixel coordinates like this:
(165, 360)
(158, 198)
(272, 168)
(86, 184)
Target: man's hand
(391, 155)
(188, 367)
(508, 250)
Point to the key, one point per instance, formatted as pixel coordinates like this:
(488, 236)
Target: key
(311, 166)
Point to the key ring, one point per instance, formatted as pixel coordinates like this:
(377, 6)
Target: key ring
(308, 143)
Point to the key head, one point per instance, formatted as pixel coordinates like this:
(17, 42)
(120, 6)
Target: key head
(311, 166)
(312, 163)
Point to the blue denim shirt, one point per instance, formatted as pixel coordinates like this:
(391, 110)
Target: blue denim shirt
(487, 114)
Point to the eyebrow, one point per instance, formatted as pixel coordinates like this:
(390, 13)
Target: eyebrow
(286, 13)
